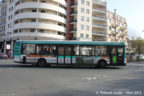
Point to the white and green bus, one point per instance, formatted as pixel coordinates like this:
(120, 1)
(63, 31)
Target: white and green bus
(87, 53)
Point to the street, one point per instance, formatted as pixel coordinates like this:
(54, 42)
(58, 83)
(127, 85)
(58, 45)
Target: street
(25, 80)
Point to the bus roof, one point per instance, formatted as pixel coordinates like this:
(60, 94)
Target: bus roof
(71, 42)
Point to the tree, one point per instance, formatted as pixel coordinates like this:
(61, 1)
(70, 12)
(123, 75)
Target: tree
(138, 45)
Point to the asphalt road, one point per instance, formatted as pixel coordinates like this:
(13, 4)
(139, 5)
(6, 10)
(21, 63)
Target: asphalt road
(25, 80)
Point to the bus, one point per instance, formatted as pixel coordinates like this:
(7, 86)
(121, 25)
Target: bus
(87, 53)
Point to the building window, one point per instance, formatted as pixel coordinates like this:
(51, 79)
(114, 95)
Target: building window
(32, 30)
(81, 35)
(8, 17)
(88, 3)
(87, 11)
(41, 30)
(82, 26)
(82, 1)
(34, 10)
(33, 20)
(42, 11)
(43, 1)
(109, 28)
(87, 27)
(87, 19)
(87, 36)
(82, 10)
(82, 18)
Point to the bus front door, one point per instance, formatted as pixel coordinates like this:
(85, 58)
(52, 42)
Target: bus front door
(113, 55)
(120, 55)
(116, 55)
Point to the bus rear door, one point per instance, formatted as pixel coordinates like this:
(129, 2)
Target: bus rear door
(64, 55)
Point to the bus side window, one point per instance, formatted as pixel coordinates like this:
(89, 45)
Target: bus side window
(53, 50)
(61, 51)
(43, 49)
(68, 51)
(101, 50)
(76, 50)
(114, 51)
(28, 49)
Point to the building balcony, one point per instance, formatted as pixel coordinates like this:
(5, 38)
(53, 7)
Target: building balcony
(30, 35)
(46, 6)
(114, 25)
(99, 10)
(122, 27)
(62, 2)
(113, 32)
(73, 22)
(96, 33)
(74, 5)
(74, 13)
(73, 30)
(2, 32)
(3, 17)
(99, 25)
(4, 9)
(39, 25)
(99, 2)
(2, 24)
(40, 16)
(99, 18)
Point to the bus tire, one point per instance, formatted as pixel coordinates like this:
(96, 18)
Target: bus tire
(102, 64)
(42, 63)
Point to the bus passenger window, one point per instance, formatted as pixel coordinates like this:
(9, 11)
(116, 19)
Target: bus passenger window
(120, 51)
(28, 49)
(85, 50)
(43, 49)
(61, 51)
(76, 50)
(100, 50)
(114, 51)
(68, 51)
(53, 50)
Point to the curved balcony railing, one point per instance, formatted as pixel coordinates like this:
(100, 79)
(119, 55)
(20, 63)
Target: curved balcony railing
(40, 16)
(40, 6)
(39, 25)
(30, 34)
(99, 33)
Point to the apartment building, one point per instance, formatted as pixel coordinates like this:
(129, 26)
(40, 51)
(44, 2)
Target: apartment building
(3, 8)
(88, 20)
(117, 28)
(52, 20)
(33, 20)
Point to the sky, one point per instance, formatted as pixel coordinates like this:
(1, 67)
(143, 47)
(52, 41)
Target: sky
(133, 11)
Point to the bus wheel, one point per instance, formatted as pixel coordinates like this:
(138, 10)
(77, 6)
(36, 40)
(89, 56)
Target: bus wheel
(42, 63)
(102, 64)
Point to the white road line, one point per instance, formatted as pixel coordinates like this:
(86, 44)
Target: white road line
(89, 78)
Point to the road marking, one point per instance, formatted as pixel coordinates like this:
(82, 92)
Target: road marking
(89, 78)
(93, 78)
(105, 76)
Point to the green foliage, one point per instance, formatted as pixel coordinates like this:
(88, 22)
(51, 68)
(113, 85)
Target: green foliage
(138, 45)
